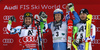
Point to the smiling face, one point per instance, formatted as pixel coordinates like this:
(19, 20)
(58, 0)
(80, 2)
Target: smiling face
(28, 20)
(83, 16)
(58, 17)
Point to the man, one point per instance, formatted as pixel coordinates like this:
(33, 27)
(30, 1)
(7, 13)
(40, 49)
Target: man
(59, 28)
(81, 34)
(26, 30)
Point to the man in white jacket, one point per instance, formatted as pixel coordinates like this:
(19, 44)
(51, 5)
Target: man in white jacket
(26, 30)
(81, 34)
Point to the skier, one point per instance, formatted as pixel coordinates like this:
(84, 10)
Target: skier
(59, 28)
(81, 34)
(26, 29)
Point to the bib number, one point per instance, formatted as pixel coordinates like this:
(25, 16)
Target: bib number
(57, 33)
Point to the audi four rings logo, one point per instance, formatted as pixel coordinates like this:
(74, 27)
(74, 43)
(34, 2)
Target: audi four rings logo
(6, 17)
(29, 39)
(98, 29)
(8, 40)
(5, 29)
(96, 41)
(21, 17)
(95, 17)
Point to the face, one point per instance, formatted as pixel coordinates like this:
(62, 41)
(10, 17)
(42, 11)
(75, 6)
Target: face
(28, 20)
(83, 16)
(58, 17)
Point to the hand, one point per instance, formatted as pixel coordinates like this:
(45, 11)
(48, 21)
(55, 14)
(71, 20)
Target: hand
(43, 16)
(11, 19)
(67, 8)
(75, 30)
(42, 26)
(71, 7)
(77, 42)
(68, 49)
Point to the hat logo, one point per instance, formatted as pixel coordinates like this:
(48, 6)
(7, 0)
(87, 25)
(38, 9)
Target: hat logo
(27, 14)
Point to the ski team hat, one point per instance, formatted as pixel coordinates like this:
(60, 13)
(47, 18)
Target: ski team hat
(84, 11)
(56, 11)
(28, 14)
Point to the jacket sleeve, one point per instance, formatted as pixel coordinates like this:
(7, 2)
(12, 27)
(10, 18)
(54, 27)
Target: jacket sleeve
(47, 26)
(67, 16)
(77, 18)
(11, 30)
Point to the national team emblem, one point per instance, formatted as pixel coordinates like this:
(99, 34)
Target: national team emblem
(27, 14)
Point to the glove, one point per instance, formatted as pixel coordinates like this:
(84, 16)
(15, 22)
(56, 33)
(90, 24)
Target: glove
(43, 17)
(67, 9)
(68, 49)
(41, 26)
(71, 7)
(75, 30)
(11, 19)
(77, 42)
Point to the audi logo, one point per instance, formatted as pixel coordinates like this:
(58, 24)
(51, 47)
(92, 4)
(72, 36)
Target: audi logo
(96, 41)
(29, 39)
(6, 17)
(96, 17)
(7, 40)
(21, 17)
(5, 29)
(98, 29)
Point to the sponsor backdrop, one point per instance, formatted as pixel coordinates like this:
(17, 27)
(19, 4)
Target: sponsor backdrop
(19, 7)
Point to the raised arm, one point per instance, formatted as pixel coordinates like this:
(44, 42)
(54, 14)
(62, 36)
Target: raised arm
(71, 8)
(77, 18)
(11, 30)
